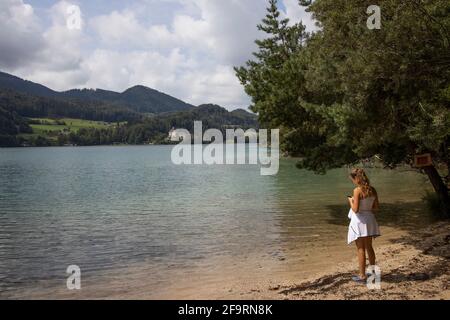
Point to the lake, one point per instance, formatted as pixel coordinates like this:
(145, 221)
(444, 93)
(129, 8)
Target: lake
(139, 226)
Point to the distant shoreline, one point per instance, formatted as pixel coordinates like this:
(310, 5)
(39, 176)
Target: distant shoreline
(102, 145)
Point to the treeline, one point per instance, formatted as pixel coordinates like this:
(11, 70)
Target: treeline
(155, 129)
(12, 124)
(138, 98)
(41, 107)
(125, 134)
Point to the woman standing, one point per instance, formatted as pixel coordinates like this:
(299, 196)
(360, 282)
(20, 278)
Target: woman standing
(363, 224)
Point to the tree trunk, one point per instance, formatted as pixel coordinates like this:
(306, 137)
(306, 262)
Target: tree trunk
(440, 188)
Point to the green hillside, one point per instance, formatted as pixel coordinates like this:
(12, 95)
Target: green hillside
(140, 99)
(31, 114)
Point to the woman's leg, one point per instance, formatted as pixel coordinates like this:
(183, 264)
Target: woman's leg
(361, 257)
(370, 251)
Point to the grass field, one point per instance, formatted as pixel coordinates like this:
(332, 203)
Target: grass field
(72, 125)
(49, 128)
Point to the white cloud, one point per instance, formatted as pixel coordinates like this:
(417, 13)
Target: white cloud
(58, 64)
(120, 28)
(174, 74)
(124, 69)
(20, 38)
(190, 53)
(297, 13)
(218, 82)
(224, 30)
(232, 27)
(210, 43)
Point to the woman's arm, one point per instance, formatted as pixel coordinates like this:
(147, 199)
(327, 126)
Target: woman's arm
(354, 202)
(376, 203)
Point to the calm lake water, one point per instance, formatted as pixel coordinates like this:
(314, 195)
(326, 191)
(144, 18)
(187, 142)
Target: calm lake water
(129, 208)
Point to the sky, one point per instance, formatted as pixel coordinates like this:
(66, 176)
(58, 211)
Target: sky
(185, 48)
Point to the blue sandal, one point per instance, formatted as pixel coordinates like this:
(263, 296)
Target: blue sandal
(357, 279)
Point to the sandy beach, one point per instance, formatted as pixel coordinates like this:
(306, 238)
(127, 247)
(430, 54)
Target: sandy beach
(413, 266)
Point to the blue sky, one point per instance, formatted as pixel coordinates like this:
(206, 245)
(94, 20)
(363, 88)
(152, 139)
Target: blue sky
(186, 48)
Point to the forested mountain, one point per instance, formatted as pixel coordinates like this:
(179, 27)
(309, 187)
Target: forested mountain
(142, 115)
(139, 98)
(10, 82)
(43, 107)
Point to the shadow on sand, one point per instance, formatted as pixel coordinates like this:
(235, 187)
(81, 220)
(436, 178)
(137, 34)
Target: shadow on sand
(412, 217)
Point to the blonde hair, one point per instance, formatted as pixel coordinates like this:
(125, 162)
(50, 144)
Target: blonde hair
(360, 177)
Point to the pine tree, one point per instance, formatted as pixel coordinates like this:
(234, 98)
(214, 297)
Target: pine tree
(350, 93)
(276, 51)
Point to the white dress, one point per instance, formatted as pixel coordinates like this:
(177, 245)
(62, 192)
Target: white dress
(363, 223)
